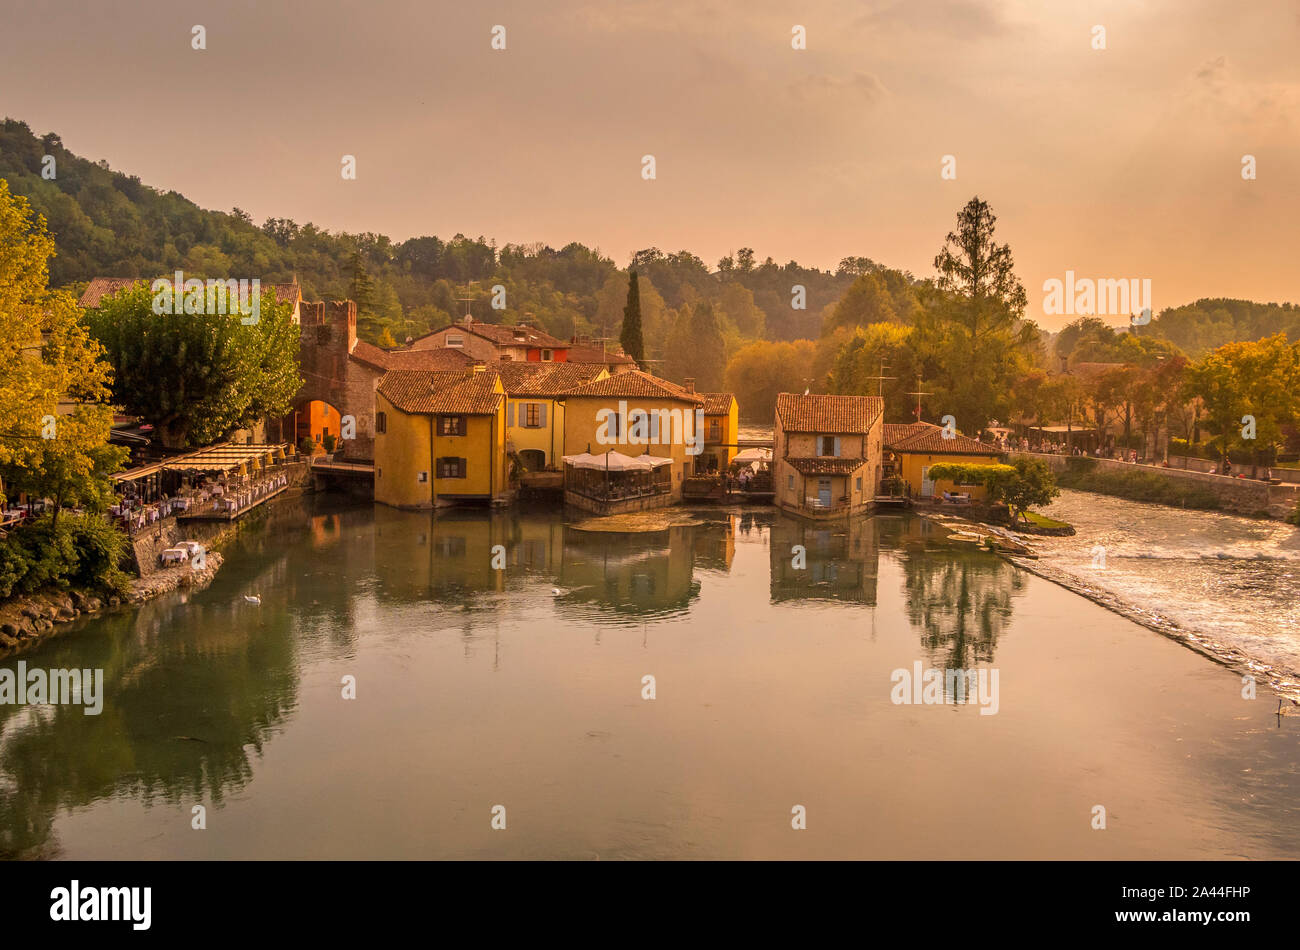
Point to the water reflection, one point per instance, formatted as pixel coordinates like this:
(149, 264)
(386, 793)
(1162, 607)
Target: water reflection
(196, 685)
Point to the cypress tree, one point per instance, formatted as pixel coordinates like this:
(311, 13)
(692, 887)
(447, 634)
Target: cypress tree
(630, 337)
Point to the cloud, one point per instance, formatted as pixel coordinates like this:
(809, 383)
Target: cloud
(865, 86)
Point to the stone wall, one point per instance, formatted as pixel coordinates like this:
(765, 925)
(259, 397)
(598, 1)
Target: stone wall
(326, 339)
(1244, 496)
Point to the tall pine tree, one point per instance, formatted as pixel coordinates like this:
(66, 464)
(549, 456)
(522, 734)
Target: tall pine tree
(630, 337)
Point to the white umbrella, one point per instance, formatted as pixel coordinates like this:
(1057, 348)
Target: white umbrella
(753, 455)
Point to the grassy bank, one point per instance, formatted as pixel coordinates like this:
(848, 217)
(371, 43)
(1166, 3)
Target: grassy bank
(1136, 485)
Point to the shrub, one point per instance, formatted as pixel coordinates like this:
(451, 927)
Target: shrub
(1140, 485)
(306, 445)
(83, 551)
(329, 441)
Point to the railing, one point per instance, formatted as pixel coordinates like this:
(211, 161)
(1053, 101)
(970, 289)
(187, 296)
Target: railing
(622, 493)
(835, 507)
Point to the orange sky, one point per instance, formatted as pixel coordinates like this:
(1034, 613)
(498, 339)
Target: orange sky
(1115, 163)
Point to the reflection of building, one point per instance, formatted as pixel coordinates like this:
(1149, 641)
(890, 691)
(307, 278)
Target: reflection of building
(914, 447)
(715, 544)
(642, 574)
(826, 457)
(440, 438)
(833, 561)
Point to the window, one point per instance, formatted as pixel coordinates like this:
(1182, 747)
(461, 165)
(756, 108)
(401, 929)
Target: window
(451, 468)
(615, 424)
(381, 422)
(547, 356)
(715, 431)
(533, 415)
(422, 477)
(859, 483)
(789, 482)
(455, 340)
(451, 425)
(828, 445)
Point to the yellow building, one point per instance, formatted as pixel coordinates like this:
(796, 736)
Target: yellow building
(721, 429)
(534, 410)
(916, 446)
(826, 454)
(635, 413)
(440, 438)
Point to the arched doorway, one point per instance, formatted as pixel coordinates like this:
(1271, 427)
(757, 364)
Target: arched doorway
(319, 421)
(533, 459)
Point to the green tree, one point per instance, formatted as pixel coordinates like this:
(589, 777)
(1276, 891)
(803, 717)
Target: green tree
(197, 377)
(709, 351)
(630, 334)
(762, 369)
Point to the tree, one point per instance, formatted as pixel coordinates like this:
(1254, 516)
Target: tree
(761, 370)
(630, 335)
(197, 377)
(54, 384)
(1023, 483)
(867, 301)
(709, 356)
(980, 272)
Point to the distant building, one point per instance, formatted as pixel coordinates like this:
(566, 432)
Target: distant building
(827, 454)
(492, 342)
(585, 350)
(440, 438)
(605, 414)
(912, 448)
(535, 407)
(721, 429)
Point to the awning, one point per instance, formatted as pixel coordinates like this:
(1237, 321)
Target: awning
(753, 455)
(613, 461)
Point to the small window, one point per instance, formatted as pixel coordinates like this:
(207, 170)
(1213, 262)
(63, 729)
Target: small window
(451, 468)
(455, 341)
(789, 482)
(546, 356)
(422, 477)
(615, 422)
(533, 415)
(451, 425)
(381, 422)
(859, 483)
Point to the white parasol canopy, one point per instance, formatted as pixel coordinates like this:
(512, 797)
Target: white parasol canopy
(613, 461)
(750, 456)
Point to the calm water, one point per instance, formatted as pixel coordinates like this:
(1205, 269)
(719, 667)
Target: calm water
(477, 687)
(1231, 584)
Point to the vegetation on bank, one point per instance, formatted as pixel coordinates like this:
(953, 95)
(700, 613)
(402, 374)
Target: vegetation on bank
(1137, 485)
(1023, 483)
(75, 552)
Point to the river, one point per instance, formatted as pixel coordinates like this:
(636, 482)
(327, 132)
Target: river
(519, 692)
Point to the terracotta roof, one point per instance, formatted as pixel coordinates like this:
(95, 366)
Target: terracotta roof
(635, 384)
(589, 353)
(434, 360)
(542, 379)
(826, 466)
(717, 404)
(459, 392)
(101, 287)
(855, 414)
(928, 438)
(502, 334)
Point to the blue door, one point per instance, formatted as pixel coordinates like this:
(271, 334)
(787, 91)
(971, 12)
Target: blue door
(824, 492)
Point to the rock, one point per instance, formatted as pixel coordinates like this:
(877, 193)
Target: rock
(114, 601)
(67, 613)
(8, 640)
(31, 610)
(9, 629)
(93, 605)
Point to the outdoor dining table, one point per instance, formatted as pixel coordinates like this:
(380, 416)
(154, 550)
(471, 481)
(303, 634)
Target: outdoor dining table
(174, 555)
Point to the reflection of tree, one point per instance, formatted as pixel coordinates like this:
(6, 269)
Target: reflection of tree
(960, 601)
(190, 691)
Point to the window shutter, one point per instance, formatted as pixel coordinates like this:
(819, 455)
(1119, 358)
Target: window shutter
(510, 413)
(541, 418)
(654, 427)
(837, 446)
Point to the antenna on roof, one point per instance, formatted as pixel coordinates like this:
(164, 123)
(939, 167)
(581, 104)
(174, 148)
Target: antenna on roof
(918, 396)
(880, 384)
(467, 301)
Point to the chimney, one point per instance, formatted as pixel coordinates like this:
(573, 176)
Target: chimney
(689, 384)
(478, 367)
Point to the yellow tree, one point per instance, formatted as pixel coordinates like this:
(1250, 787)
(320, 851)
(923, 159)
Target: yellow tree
(54, 385)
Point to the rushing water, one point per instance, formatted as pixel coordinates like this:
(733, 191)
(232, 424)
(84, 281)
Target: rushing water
(772, 644)
(1228, 585)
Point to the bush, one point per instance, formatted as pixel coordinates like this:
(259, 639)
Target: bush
(82, 551)
(329, 441)
(1294, 517)
(306, 445)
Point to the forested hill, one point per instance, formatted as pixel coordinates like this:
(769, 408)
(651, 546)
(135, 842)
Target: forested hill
(1199, 327)
(111, 224)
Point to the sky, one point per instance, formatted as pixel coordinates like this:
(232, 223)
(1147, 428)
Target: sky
(1116, 163)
